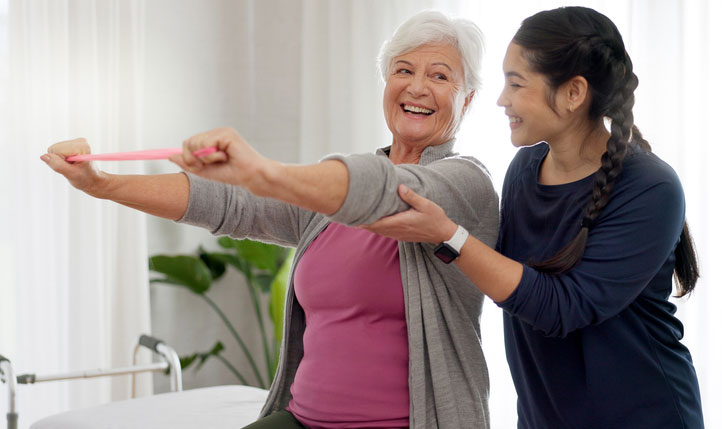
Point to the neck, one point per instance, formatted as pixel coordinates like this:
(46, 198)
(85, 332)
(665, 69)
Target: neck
(575, 155)
(402, 153)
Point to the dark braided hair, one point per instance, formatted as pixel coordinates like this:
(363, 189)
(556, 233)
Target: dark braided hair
(576, 41)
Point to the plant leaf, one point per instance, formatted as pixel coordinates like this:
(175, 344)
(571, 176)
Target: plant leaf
(188, 271)
(263, 282)
(229, 259)
(277, 303)
(187, 361)
(262, 256)
(167, 281)
(277, 299)
(227, 242)
(201, 357)
(214, 351)
(216, 265)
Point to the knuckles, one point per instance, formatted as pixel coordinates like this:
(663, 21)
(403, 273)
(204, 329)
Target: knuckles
(70, 147)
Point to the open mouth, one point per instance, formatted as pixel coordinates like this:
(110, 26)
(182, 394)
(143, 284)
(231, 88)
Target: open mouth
(416, 110)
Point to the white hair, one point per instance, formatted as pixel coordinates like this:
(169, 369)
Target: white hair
(434, 27)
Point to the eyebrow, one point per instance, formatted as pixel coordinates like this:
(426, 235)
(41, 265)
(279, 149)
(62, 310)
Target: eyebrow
(513, 74)
(433, 64)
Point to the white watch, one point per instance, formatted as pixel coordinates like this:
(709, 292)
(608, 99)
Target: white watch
(451, 248)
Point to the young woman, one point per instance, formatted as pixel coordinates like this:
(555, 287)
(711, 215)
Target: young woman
(592, 231)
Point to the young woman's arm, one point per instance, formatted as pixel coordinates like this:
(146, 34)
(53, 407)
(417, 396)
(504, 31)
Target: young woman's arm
(631, 246)
(494, 274)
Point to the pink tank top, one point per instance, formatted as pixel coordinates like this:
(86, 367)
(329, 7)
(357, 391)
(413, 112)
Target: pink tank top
(355, 368)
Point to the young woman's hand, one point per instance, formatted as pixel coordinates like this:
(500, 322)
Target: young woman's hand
(424, 222)
(82, 175)
(235, 162)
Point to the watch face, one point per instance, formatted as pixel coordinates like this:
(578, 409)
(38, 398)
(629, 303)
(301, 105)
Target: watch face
(445, 252)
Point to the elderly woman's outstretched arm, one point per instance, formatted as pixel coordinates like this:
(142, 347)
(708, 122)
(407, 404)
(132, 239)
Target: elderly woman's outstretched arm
(353, 190)
(318, 187)
(163, 195)
(170, 196)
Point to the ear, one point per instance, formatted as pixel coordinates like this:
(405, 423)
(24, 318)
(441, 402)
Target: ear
(467, 101)
(574, 93)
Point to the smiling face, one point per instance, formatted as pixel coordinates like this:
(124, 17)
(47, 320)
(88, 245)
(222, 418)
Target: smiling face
(525, 101)
(423, 101)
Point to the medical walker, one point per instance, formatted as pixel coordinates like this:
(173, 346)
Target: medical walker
(170, 362)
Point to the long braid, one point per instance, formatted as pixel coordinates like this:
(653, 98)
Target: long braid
(617, 145)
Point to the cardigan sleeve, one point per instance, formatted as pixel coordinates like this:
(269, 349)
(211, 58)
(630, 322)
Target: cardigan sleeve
(460, 185)
(230, 210)
(625, 251)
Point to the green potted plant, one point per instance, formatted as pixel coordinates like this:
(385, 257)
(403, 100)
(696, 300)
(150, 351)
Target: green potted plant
(265, 267)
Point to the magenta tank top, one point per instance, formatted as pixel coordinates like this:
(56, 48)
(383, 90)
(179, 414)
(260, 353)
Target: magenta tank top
(355, 367)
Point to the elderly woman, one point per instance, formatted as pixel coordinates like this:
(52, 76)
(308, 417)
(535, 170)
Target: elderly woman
(378, 333)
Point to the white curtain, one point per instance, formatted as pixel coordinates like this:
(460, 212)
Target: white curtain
(74, 269)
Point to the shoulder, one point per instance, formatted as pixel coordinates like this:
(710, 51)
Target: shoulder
(647, 188)
(641, 164)
(644, 171)
(464, 172)
(470, 163)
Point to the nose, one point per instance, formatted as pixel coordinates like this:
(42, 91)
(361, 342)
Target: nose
(417, 87)
(503, 100)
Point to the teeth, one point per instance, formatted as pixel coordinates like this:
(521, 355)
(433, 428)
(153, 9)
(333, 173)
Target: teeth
(415, 109)
(514, 119)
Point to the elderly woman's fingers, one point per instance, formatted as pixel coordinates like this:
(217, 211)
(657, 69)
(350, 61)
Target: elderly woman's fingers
(189, 146)
(68, 148)
(214, 157)
(56, 162)
(180, 161)
(82, 175)
(57, 153)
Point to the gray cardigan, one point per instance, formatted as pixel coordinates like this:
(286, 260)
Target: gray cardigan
(448, 377)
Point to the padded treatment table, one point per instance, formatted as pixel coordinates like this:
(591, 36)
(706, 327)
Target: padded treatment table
(217, 407)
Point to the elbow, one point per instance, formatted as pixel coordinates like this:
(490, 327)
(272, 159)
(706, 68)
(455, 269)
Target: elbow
(555, 331)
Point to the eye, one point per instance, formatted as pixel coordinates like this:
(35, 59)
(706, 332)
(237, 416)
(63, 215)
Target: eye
(440, 76)
(403, 71)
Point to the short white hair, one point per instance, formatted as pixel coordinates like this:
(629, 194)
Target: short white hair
(434, 27)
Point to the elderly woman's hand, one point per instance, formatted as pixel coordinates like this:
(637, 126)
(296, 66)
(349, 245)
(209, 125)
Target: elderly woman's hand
(235, 162)
(82, 175)
(424, 222)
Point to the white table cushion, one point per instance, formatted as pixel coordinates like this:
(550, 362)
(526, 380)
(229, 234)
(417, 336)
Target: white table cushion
(211, 407)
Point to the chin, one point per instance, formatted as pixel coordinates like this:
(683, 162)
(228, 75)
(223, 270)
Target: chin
(518, 141)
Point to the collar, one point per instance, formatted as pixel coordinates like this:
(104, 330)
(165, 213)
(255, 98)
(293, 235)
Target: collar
(430, 154)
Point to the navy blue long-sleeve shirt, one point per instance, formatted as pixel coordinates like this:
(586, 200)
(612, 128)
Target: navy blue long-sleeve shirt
(598, 346)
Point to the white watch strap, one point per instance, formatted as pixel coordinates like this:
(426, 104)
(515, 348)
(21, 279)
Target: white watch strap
(458, 239)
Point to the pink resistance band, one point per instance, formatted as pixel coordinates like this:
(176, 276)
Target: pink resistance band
(138, 155)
